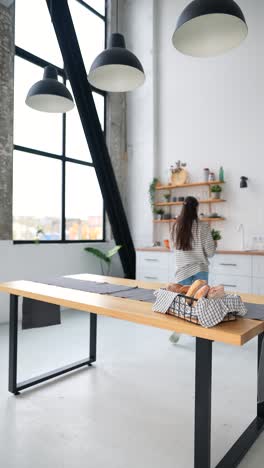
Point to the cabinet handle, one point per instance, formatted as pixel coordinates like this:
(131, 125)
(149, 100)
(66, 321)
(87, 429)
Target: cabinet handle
(228, 264)
(151, 260)
(151, 277)
(230, 285)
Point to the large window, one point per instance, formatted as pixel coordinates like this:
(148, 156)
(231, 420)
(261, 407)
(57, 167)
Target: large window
(56, 195)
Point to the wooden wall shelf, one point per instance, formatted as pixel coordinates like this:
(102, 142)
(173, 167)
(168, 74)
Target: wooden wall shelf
(181, 203)
(208, 220)
(191, 184)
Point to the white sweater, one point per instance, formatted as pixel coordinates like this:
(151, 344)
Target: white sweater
(190, 262)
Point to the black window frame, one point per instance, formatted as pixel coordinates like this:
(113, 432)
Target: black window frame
(36, 60)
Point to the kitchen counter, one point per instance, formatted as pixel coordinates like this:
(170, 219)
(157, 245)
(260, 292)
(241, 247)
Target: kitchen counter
(225, 252)
(241, 252)
(237, 270)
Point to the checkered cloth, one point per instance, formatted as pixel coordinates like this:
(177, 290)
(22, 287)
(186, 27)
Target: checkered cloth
(205, 312)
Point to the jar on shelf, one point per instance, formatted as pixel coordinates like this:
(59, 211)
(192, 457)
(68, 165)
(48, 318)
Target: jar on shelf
(206, 174)
(211, 177)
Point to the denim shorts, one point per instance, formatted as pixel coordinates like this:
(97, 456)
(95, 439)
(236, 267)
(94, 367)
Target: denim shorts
(202, 275)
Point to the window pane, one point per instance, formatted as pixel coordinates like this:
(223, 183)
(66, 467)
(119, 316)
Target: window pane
(84, 204)
(98, 5)
(100, 106)
(90, 30)
(34, 31)
(36, 197)
(34, 129)
(76, 145)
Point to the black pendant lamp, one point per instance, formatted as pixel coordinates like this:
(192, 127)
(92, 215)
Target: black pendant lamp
(49, 95)
(116, 69)
(208, 28)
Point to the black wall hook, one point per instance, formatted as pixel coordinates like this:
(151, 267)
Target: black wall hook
(243, 182)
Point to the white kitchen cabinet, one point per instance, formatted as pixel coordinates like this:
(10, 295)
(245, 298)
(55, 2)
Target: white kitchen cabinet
(242, 273)
(154, 275)
(258, 275)
(152, 266)
(232, 283)
(258, 286)
(232, 265)
(258, 266)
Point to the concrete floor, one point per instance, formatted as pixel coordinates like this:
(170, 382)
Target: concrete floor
(134, 409)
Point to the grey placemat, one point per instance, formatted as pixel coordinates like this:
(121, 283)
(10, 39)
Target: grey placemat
(137, 294)
(254, 311)
(37, 314)
(132, 292)
(261, 375)
(83, 285)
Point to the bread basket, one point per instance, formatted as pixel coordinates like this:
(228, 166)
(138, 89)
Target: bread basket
(180, 308)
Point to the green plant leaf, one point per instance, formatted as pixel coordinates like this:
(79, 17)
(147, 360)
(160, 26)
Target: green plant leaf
(216, 235)
(98, 253)
(113, 251)
(152, 190)
(216, 188)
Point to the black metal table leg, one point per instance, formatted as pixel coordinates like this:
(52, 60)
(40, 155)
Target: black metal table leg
(13, 321)
(15, 387)
(260, 406)
(93, 336)
(237, 452)
(203, 390)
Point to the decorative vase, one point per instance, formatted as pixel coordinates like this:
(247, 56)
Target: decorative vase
(221, 174)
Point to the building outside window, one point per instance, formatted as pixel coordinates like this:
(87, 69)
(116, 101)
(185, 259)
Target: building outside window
(56, 195)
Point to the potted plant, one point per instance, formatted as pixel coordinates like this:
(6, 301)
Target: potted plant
(167, 197)
(216, 191)
(216, 235)
(40, 234)
(105, 258)
(159, 213)
(152, 191)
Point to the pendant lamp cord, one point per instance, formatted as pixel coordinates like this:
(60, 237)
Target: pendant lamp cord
(117, 11)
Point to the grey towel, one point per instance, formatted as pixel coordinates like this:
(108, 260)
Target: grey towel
(39, 314)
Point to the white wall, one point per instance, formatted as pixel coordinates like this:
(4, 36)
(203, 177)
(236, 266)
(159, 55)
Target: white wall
(208, 112)
(138, 26)
(27, 261)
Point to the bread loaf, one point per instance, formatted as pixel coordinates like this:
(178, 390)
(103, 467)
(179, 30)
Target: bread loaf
(216, 292)
(184, 289)
(194, 288)
(202, 292)
(174, 287)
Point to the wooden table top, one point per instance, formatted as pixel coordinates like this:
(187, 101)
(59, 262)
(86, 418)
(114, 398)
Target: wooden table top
(235, 333)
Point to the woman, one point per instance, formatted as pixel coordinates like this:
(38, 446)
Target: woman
(194, 244)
